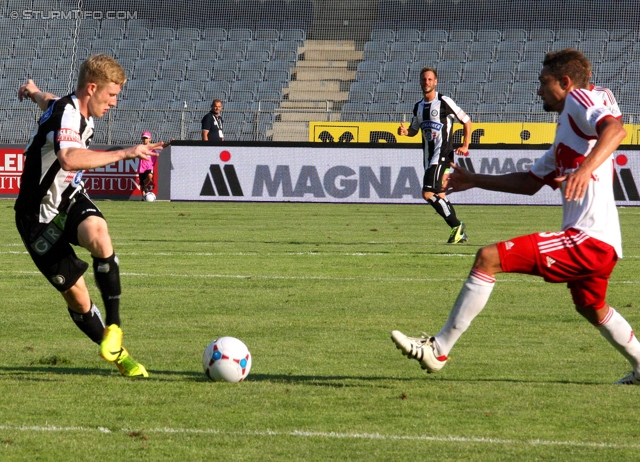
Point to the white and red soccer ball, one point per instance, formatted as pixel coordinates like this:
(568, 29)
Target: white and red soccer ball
(226, 359)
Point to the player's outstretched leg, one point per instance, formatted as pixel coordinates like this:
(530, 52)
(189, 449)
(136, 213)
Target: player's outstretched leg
(619, 333)
(111, 345)
(420, 349)
(457, 235)
(128, 366)
(90, 323)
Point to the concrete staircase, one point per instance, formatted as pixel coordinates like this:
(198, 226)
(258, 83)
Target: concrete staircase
(319, 87)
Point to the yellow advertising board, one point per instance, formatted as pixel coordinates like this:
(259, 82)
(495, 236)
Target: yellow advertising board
(482, 133)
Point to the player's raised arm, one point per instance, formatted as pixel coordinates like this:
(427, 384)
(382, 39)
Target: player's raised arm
(31, 91)
(515, 183)
(611, 135)
(72, 159)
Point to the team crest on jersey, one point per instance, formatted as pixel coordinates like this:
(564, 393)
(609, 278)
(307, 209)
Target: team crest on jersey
(77, 179)
(431, 125)
(67, 134)
(434, 113)
(45, 116)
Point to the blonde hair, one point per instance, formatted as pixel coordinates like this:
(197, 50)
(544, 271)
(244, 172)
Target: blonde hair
(101, 69)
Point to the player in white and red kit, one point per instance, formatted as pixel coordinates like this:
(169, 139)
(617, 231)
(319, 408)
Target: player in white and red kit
(585, 252)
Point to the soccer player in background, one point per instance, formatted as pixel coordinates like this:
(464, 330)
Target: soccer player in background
(585, 252)
(434, 115)
(54, 211)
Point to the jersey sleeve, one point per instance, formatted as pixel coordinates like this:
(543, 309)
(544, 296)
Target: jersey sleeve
(585, 113)
(68, 134)
(206, 123)
(544, 170)
(415, 122)
(457, 111)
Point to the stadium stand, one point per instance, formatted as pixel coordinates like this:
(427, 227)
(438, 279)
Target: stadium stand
(278, 64)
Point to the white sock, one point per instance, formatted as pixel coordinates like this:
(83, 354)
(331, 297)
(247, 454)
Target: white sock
(471, 300)
(620, 334)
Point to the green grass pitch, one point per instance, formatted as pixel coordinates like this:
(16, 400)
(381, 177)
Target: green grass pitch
(313, 290)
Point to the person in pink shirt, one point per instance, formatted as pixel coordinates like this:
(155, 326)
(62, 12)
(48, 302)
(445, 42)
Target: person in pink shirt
(146, 168)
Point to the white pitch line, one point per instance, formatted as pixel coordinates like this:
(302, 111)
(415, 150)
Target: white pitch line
(326, 435)
(307, 278)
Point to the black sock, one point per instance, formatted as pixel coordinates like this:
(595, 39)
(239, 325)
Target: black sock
(90, 323)
(445, 210)
(107, 274)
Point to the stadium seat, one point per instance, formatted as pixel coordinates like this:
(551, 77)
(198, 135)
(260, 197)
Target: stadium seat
(490, 112)
(596, 34)
(482, 51)
(610, 73)
(270, 95)
(34, 29)
(563, 44)
(188, 33)
(523, 92)
(488, 35)
(354, 112)
(435, 35)
(542, 35)
(622, 34)
(461, 35)
(163, 33)
(215, 33)
(449, 71)
(240, 34)
(515, 35)
(593, 49)
(294, 35)
(495, 92)
(383, 35)
(266, 35)
(528, 71)
(395, 72)
(455, 51)
(408, 35)
(475, 71)
(375, 55)
(469, 90)
(502, 71)
(265, 46)
(228, 75)
(618, 51)
(535, 51)
(569, 34)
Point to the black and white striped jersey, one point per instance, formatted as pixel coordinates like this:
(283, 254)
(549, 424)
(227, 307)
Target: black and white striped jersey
(45, 188)
(435, 119)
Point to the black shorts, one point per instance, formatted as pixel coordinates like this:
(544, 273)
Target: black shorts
(49, 244)
(433, 175)
(143, 176)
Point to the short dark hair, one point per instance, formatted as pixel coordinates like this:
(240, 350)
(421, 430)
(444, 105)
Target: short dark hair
(571, 63)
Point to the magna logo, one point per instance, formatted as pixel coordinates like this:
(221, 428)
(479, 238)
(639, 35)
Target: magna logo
(623, 181)
(339, 181)
(222, 181)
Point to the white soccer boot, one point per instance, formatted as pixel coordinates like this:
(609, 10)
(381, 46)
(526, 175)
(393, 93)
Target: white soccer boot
(420, 349)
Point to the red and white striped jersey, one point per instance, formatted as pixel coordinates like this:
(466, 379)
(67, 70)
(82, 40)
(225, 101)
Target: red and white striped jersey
(576, 134)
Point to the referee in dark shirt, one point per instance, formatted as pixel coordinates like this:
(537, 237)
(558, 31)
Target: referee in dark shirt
(212, 123)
